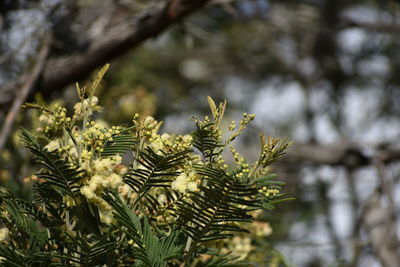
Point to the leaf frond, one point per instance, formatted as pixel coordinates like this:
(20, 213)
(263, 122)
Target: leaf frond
(59, 173)
(154, 171)
(215, 211)
(151, 249)
(119, 145)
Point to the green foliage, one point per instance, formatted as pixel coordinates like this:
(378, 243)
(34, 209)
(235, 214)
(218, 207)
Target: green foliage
(177, 204)
(120, 145)
(58, 172)
(151, 250)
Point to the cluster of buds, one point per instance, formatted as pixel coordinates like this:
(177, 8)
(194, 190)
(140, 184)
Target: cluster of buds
(165, 142)
(232, 126)
(96, 135)
(150, 128)
(182, 142)
(269, 192)
(243, 170)
(221, 160)
(54, 120)
(243, 166)
(86, 107)
(272, 150)
(246, 119)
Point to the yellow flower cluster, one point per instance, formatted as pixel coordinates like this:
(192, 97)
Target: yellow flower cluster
(186, 182)
(246, 119)
(240, 161)
(102, 173)
(240, 246)
(261, 229)
(53, 145)
(4, 234)
(149, 127)
(55, 119)
(95, 136)
(86, 107)
(162, 199)
(165, 142)
(269, 192)
(182, 142)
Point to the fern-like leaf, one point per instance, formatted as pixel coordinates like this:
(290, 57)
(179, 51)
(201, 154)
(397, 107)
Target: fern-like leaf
(150, 250)
(224, 260)
(12, 257)
(59, 172)
(25, 224)
(206, 140)
(213, 213)
(119, 145)
(155, 171)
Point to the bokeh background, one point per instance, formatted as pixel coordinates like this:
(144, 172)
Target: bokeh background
(324, 73)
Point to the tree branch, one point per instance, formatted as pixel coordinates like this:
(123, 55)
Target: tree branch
(381, 229)
(21, 96)
(62, 72)
(345, 155)
(384, 27)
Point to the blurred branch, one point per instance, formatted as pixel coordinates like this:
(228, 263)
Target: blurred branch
(63, 71)
(9, 55)
(325, 204)
(21, 96)
(380, 219)
(355, 216)
(350, 156)
(381, 229)
(374, 26)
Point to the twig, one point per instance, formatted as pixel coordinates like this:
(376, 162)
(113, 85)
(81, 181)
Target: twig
(26, 89)
(380, 221)
(7, 56)
(355, 206)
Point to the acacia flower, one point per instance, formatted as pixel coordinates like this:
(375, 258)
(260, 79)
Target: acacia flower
(53, 145)
(4, 234)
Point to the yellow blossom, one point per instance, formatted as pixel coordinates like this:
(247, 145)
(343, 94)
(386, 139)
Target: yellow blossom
(53, 145)
(180, 184)
(4, 234)
(162, 199)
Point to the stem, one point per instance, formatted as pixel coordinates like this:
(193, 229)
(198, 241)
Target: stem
(187, 247)
(254, 169)
(69, 228)
(187, 255)
(78, 149)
